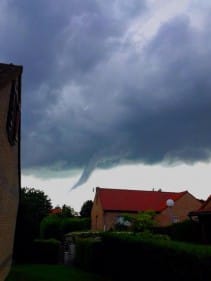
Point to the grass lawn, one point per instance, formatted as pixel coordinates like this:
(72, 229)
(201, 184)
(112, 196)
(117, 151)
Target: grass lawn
(36, 272)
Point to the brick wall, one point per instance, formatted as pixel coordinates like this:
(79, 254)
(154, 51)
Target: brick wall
(9, 186)
(208, 205)
(179, 211)
(106, 220)
(97, 215)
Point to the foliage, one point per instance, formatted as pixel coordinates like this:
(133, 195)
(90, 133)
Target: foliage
(137, 222)
(187, 231)
(67, 211)
(36, 202)
(88, 254)
(46, 251)
(158, 257)
(74, 224)
(50, 227)
(33, 207)
(86, 209)
(56, 227)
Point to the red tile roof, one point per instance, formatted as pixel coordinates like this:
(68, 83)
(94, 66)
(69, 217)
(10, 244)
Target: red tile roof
(56, 210)
(205, 209)
(135, 200)
(206, 206)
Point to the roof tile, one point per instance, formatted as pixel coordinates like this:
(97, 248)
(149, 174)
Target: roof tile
(135, 200)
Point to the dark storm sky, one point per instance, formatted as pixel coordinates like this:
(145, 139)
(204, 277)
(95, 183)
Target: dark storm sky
(100, 88)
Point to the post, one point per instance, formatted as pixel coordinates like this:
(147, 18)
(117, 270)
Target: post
(170, 205)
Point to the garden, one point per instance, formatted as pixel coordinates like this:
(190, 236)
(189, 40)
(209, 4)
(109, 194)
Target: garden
(135, 250)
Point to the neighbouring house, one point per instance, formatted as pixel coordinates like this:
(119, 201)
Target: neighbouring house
(110, 204)
(10, 102)
(203, 216)
(56, 211)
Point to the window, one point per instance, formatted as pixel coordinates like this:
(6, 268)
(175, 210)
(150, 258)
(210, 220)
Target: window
(175, 219)
(121, 220)
(13, 116)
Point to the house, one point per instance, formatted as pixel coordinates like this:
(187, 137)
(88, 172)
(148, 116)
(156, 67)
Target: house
(56, 211)
(10, 100)
(109, 205)
(203, 216)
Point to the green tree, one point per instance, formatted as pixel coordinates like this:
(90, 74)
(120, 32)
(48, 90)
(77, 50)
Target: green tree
(67, 212)
(34, 205)
(143, 221)
(86, 209)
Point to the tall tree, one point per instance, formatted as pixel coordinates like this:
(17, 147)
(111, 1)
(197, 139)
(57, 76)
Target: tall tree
(86, 209)
(33, 207)
(67, 211)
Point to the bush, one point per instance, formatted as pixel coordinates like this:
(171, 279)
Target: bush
(56, 227)
(89, 254)
(46, 251)
(50, 227)
(139, 222)
(186, 231)
(126, 255)
(74, 224)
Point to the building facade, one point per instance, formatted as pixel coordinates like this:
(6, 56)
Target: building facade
(10, 102)
(203, 217)
(110, 204)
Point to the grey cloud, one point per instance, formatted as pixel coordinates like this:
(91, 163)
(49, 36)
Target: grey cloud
(59, 43)
(92, 98)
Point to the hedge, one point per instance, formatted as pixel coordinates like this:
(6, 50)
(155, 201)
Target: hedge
(46, 251)
(74, 224)
(187, 231)
(56, 227)
(133, 256)
(50, 227)
(40, 251)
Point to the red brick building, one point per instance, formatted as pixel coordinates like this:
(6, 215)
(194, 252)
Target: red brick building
(110, 204)
(203, 216)
(56, 211)
(10, 101)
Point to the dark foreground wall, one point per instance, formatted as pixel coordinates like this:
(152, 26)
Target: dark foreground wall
(10, 91)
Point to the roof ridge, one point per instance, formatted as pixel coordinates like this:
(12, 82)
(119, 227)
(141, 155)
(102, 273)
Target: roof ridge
(141, 190)
(205, 203)
(134, 199)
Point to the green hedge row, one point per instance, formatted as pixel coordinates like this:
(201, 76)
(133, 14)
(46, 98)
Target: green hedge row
(89, 254)
(133, 256)
(187, 231)
(47, 251)
(41, 251)
(56, 227)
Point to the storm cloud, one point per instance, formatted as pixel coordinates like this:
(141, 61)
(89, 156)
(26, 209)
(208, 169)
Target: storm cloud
(102, 86)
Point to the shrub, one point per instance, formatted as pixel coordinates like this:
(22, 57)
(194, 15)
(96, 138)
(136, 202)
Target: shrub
(56, 227)
(89, 254)
(127, 255)
(74, 224)
(187, 231)
(46, 251)
(139, 222)
(50, 227)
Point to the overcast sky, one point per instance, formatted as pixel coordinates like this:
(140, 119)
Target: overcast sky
(116, 85)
